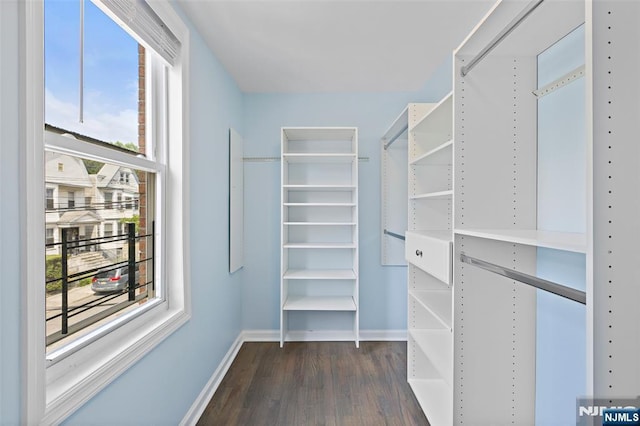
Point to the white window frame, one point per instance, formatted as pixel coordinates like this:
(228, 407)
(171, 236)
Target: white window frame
(52, 391)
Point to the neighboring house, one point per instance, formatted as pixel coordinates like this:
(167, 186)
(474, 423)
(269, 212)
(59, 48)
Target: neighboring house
(116, 192)
(89, 206)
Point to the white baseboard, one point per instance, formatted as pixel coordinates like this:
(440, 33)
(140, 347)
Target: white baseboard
(261, 335)
(199, 405)
(383, 335)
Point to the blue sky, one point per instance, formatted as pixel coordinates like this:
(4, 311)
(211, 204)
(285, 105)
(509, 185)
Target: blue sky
(110, 73)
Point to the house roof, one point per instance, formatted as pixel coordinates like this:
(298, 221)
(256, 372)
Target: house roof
(82, 217)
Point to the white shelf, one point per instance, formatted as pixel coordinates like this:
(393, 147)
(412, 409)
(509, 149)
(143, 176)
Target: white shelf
(441, 116)
(319, 245)
(319, 157)
(320, 223)
(432, 195)
(319, 303)
(319, 204)
(437, 302)
(435, 398)
(319, 187)
(566, 241)
(437, 345)
(320, 274)
(442, 154)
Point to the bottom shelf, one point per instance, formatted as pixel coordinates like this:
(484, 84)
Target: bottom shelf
(319, 303)
(436, 400)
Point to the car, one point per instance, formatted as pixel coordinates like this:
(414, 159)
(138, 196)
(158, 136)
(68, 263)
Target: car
(109, 279)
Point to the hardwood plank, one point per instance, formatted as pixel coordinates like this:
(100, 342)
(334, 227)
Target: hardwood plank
(316, 383)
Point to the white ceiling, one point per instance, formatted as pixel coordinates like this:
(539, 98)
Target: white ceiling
(271, 46)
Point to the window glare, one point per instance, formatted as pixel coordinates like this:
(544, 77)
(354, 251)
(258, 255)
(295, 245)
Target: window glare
(110, 61)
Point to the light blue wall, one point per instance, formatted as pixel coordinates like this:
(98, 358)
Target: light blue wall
(383, 291)
(562, 188)
(9, 216)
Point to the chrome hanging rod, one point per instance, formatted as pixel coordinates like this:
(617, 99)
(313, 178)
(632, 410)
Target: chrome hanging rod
(501, 36)
(396, 136)
(550, 286)
(394, 235)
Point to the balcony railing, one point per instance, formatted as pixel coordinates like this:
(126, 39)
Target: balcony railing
(75, 308)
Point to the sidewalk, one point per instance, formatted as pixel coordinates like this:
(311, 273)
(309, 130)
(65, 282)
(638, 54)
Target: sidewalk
(75, 296)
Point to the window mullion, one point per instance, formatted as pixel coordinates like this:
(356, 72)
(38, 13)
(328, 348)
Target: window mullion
(69, 145)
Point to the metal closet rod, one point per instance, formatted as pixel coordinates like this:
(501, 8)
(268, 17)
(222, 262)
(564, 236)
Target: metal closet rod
(396, 136)
(393, 234)
(550, 286)
(501, 36)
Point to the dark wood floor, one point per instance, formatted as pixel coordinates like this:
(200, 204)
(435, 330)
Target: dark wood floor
(316, 383)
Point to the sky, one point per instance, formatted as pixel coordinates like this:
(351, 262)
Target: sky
(110, 73)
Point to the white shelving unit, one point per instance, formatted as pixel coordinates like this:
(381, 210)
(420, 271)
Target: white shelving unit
(499, 204)
(428, 252)
(319, 234)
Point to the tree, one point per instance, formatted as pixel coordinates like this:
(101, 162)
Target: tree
(133, 219)
(92, 166)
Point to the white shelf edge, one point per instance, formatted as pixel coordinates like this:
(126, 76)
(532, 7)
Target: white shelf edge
(431, 153)
(444, 316)
(432, 195)
(436, 399)
(319, 303)
(431, 342)
(566, 241)
(319, 274)
(434, 110)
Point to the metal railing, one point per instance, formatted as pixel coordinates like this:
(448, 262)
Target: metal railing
(93, 308)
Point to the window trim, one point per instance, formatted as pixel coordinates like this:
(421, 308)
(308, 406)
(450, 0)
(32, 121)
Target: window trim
(50, 394)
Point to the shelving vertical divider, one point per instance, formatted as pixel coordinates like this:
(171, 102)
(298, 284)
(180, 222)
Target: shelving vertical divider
(428, 252)
(319, 234)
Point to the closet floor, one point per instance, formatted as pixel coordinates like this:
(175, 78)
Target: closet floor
(316, 383)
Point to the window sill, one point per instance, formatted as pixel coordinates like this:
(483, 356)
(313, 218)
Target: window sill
(75, 378)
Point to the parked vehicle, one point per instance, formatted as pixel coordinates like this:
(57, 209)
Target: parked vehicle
(109, 280)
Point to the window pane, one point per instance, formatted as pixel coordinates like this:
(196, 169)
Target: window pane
(97, 244)
(110, 60)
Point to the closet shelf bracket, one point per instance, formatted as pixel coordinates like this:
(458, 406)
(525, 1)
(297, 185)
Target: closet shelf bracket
(562, 81)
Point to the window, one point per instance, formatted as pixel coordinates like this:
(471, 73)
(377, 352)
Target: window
(108, 229)
(49, 205)
(108, 200)
(119, 197)
(71, 199)
(90, 168)
(49, 239)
